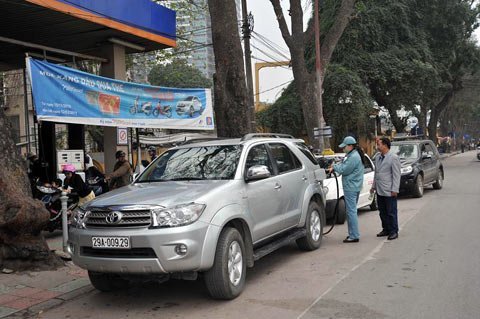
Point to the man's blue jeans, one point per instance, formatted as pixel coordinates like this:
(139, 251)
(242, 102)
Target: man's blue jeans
(351, 200)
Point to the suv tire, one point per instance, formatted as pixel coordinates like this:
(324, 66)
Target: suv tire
(439, 182)
(314, 227)
(342, 212)
(226, 279)
(106, 282)
(417, 190)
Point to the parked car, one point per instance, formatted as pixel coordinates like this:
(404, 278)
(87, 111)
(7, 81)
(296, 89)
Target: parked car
(421, 166)
(330, 186)
(211, 207)
(478, 153)
(189, 106)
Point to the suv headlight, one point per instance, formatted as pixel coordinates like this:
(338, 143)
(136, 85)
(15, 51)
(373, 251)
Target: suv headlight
(179, 215)
(406, 170)
(80, 217)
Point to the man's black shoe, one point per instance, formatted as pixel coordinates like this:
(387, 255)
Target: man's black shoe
(392, 236)
(350, 240)
(382, 234)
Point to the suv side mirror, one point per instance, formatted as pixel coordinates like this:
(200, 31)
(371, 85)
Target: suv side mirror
(426, 156)
(257, 172)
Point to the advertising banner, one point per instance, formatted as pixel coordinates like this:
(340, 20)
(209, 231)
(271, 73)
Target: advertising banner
(66, 95)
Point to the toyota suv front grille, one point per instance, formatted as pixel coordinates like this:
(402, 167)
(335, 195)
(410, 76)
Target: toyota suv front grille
(121, 219)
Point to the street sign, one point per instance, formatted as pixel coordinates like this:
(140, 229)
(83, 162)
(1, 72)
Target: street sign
(322, 132)
(122, 136)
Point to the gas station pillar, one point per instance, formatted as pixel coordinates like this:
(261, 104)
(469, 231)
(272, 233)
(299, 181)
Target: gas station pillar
(115, 68)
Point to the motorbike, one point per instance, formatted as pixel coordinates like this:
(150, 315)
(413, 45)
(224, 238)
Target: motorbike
(162, 110)
(98, 185)
(145, 107)
(50, 196)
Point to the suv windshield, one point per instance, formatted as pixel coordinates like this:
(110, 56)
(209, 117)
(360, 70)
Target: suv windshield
(405, 151)
(195, 163)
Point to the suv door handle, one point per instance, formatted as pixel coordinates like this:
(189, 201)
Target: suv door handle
(304, 178)
(278, 186)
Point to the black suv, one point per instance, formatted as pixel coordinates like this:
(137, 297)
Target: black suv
(421, 165)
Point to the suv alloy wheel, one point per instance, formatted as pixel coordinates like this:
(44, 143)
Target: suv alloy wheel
(417, 191)
(314, 228)
(226, 279)
(439, 182)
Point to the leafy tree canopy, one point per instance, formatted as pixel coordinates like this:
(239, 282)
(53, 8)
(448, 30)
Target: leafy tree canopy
(178, 73)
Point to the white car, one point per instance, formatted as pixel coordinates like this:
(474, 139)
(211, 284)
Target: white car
(330, 188)
(189, 105)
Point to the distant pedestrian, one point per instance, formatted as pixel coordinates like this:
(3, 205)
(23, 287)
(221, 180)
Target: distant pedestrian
(122, 172)
(387, 184)
(152, 152)
(74, 182)
(352, 170)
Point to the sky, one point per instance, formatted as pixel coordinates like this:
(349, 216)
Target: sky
(272, 80)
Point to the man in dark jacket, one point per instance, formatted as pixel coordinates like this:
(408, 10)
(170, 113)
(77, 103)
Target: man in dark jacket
(122, 172)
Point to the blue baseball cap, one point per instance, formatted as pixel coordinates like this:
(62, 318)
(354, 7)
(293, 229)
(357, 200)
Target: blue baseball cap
(347, 141)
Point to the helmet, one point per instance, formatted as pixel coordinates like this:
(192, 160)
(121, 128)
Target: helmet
(152, 149)
(68, 168)
(119, 153)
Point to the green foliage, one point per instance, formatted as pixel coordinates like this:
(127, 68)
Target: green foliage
(347, 102)
(285, 115)
(402, 54)
(178, 74)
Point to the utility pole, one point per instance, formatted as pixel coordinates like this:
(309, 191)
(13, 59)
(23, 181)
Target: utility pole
(318, 73)
(247, 28)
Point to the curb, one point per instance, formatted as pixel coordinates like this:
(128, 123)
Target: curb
(443, 156)
(35, 310)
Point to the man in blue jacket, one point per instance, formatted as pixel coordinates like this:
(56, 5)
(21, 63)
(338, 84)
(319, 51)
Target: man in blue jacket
(352, 170)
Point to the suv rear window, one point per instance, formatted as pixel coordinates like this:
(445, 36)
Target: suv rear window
(285, 159)
(304, 149)
(195, 163)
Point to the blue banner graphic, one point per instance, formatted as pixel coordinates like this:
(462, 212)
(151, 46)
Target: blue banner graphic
(66, 95)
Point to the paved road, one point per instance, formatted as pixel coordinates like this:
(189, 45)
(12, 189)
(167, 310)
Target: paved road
(431, 271)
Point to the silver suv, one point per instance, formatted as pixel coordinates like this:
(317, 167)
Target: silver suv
(210, 207)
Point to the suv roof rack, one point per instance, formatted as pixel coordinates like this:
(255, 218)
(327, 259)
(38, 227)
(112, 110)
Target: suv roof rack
(198, 140)
(408, 137)
(250, 136)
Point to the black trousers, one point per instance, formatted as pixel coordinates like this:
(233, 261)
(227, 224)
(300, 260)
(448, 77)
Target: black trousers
(388, 213)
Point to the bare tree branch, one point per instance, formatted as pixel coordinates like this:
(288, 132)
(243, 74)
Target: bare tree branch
(342, 19)
(296, 12)
(281, 22)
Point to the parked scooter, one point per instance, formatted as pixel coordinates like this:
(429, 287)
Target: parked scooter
(50, 196)
(162, 110)
(97, 184)
(96, 180)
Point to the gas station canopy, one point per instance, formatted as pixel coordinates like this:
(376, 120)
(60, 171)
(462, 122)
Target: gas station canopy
(59, 27)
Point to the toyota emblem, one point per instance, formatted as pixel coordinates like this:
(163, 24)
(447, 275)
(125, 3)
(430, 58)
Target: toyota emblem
(114, 217)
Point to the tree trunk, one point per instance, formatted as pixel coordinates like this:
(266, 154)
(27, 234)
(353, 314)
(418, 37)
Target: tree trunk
(233, 116)
(22, 246)
(436, 112)
(296, 40)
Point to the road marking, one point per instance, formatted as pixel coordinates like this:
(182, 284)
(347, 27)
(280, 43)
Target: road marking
(367, 258)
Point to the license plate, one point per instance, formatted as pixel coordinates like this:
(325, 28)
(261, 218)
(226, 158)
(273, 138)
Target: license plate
(111, 242)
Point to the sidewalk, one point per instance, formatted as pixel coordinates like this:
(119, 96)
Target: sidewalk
(26, 294)
(446, 155)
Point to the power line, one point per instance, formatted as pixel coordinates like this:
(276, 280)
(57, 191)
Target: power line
(269, 47)
(269, 56)
(271, 43)
(273, 88)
